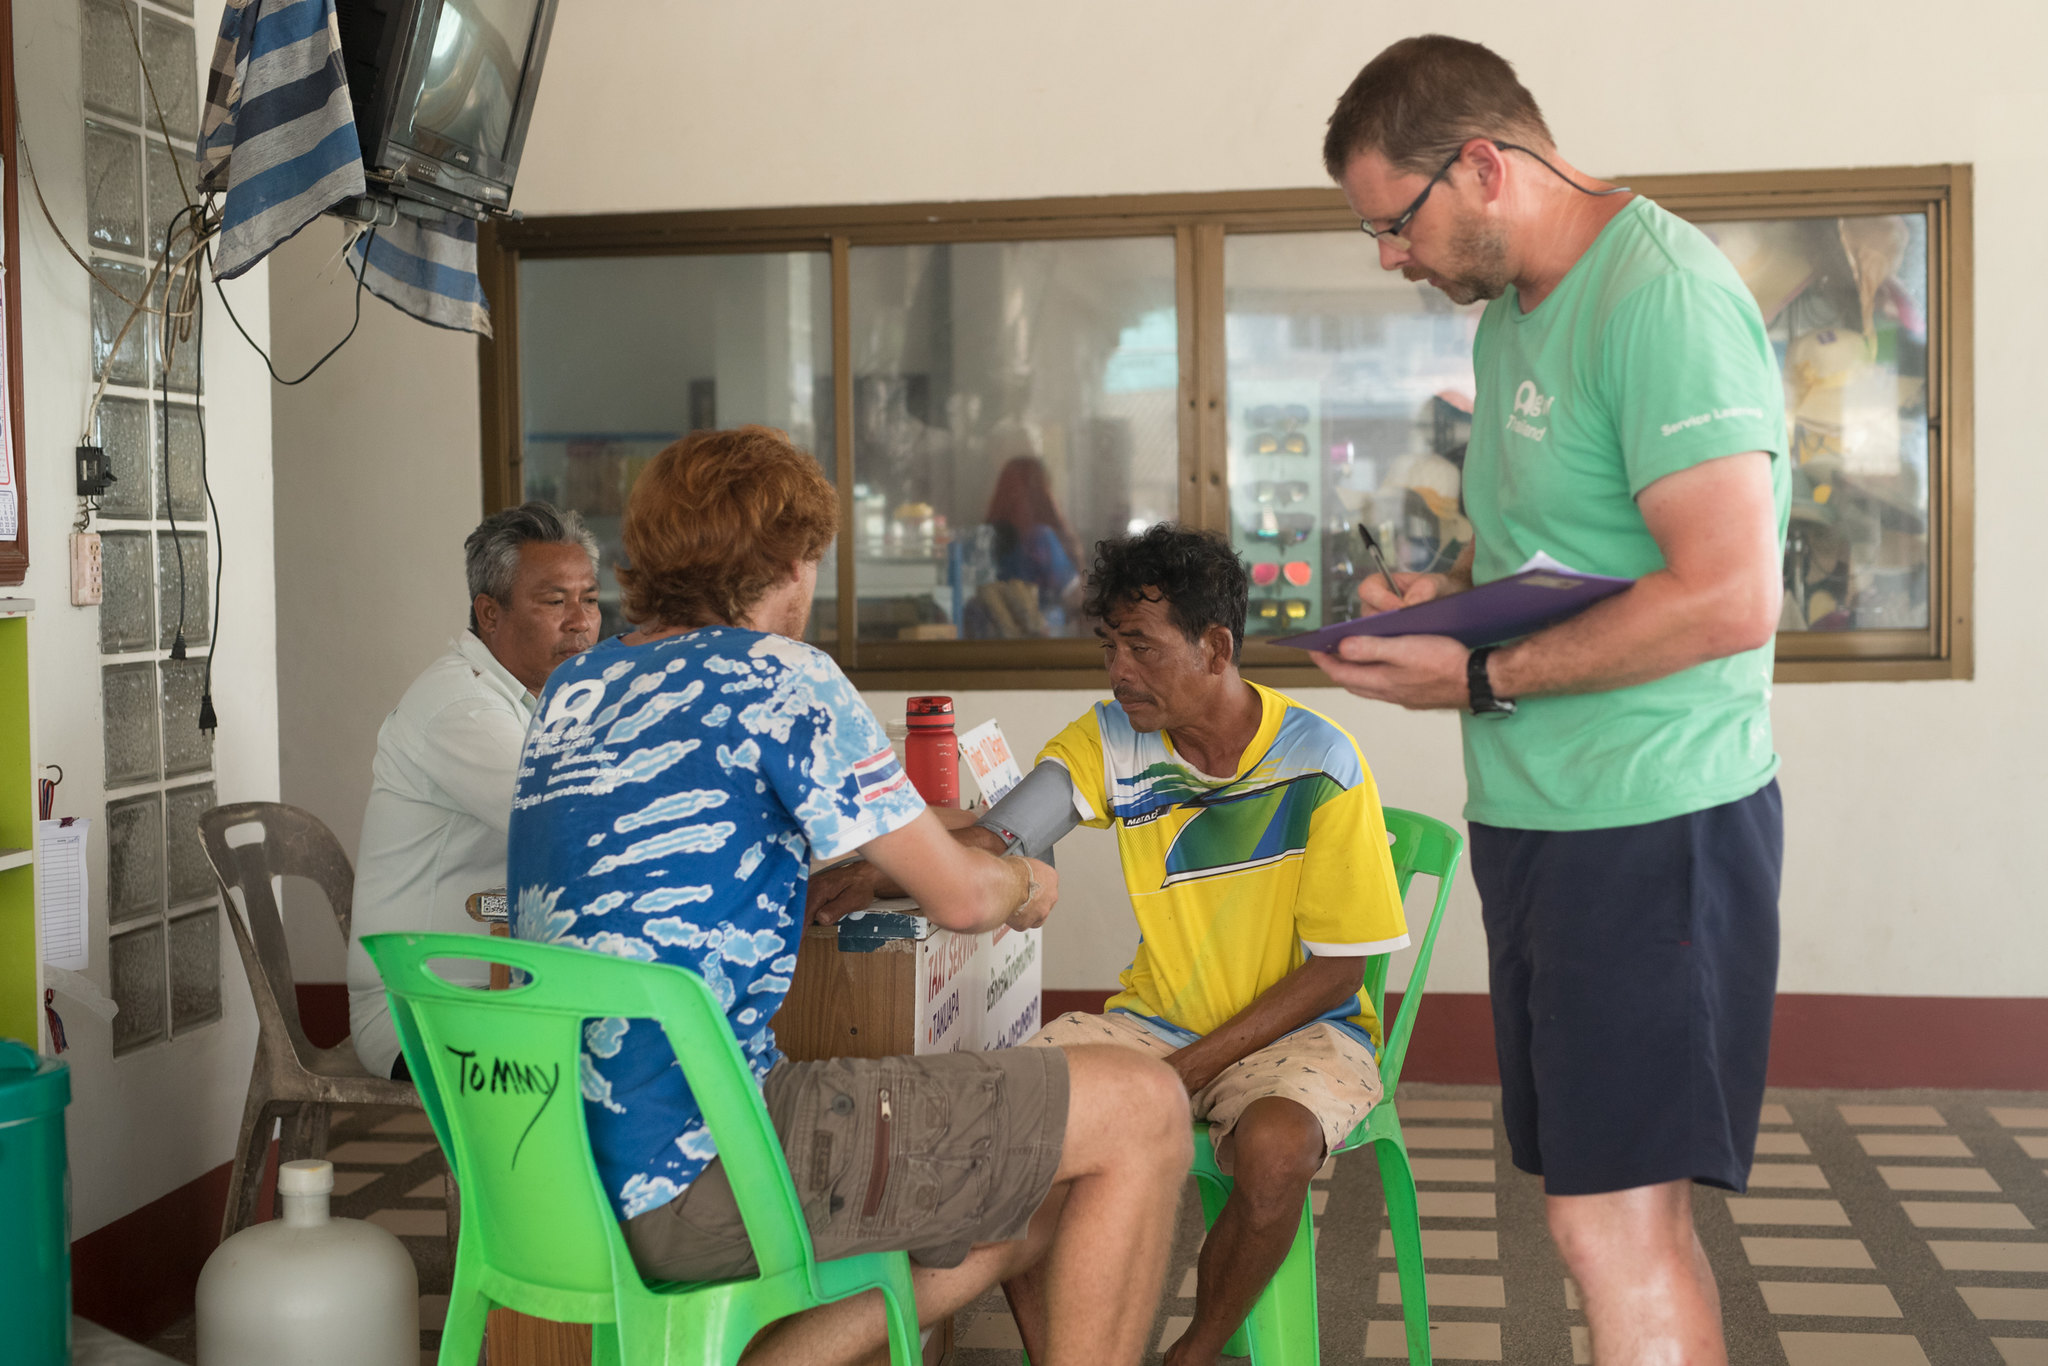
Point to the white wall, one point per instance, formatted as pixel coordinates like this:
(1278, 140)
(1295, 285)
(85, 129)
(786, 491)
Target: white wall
(1908, 805)
(379, 479)
(154, 1119)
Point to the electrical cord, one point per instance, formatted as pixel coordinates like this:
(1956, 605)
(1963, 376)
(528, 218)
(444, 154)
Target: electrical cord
(208, 721)
(362, 275)
(164, 415)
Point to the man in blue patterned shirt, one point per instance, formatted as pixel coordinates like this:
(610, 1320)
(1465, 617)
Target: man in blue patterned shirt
(676, 784)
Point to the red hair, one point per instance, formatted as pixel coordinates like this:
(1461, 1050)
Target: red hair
(716, 520)
(1023, 501)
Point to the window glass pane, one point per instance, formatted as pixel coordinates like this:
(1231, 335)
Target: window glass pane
(116, 287)
(189, 874)
(113, 78)
(181, 425)
(113, 187)
(195, 970)
(1014, 403)
(127, 601)
(122, 428)
(187, 748)
(1846, 303)
(193, 574)
(173, 69)
(135, 857)
(128, 711)
(1350, 401)
(621, 355)
(135, 975)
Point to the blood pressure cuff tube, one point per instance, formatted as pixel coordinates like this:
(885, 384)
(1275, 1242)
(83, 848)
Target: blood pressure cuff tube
(1033, 815)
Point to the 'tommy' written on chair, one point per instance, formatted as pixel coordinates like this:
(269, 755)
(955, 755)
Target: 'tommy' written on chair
(498, 1073)
(291, 1080)
(1281, 1329)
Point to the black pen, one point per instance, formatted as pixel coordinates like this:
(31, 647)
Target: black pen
(1380, 560)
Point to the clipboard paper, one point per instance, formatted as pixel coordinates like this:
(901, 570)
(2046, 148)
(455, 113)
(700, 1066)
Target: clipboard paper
(1517, 605)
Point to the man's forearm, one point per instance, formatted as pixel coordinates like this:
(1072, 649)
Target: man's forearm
(1657, 628)
(1315, 988)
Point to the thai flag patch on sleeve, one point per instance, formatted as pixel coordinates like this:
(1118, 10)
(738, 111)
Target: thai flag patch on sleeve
(879, 775)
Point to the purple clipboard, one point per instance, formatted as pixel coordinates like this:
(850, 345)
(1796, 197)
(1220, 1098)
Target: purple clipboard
(1502, 610)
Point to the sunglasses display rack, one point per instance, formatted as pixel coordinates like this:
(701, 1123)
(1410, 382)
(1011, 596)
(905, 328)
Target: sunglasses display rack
(1276, 502)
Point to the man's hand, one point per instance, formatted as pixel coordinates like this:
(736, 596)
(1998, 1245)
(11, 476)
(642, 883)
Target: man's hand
(1415, 588)
(837, 892)
(1197, 1065)
(1418, 672)
(1033, 912)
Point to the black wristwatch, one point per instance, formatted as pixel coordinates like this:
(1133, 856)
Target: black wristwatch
(1484, 703)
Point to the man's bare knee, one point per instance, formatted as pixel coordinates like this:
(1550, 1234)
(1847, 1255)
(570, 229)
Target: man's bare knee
(1275, 1150)
(1133, 1104)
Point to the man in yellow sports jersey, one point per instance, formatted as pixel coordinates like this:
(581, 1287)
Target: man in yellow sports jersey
(1256, 858)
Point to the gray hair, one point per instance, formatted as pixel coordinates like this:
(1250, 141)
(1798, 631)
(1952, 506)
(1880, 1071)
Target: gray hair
(491, 554)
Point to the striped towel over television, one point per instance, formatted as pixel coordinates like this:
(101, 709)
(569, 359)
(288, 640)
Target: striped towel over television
(279, 141)
(428, 269)
(279, 137)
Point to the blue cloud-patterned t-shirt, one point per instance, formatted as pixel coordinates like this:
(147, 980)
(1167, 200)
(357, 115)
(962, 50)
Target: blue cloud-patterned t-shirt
(671, 796)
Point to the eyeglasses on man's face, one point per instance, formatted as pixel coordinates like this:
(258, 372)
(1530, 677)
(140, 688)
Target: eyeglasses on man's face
(1395, 233)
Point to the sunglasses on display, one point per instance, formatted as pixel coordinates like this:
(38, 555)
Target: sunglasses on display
(1286, 609)
(1292, 529)
(1296, 572)
(1276, 429)
(1274, 491)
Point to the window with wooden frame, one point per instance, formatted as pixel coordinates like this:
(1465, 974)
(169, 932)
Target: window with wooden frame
(993, 387)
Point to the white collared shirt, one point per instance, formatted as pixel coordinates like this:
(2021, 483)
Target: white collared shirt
(434, 830)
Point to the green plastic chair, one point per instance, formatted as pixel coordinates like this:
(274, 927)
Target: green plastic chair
(1281, 1329)
(498, 1073)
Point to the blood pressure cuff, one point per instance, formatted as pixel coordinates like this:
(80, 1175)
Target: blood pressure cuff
(1033, 815)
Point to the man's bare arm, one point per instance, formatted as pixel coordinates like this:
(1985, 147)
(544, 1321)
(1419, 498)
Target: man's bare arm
(1718, 594)
(1038, 810)
(1316, 987)
(959, 887)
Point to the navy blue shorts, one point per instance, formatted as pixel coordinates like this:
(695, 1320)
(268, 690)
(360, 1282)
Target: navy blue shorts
(1633, 972)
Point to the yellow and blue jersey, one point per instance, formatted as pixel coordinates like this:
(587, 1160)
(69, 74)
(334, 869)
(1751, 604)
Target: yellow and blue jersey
(1236, 878)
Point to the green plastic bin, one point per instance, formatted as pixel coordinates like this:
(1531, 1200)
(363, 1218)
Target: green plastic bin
(35, 1207)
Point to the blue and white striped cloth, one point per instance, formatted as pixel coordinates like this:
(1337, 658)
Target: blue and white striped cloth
(428, 269)
(279, 138)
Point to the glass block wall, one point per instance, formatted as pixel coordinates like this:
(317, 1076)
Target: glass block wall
(163, 907)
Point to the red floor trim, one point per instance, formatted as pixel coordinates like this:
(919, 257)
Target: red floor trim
(137, 1274)
(1964, 1043)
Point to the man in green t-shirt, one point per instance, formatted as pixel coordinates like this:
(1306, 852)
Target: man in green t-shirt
(1626, 827)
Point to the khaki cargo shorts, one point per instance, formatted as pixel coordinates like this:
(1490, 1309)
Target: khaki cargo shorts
(929, 1155)
(1319, 1067)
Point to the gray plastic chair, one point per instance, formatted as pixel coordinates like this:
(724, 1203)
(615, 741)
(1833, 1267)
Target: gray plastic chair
(291, 1079)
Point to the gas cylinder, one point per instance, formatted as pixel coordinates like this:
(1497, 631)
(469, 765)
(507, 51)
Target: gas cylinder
(309, 1289)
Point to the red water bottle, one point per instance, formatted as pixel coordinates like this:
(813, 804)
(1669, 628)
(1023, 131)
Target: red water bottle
(932, 751)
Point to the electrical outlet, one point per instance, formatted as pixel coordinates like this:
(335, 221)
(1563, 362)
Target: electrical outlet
(86, 585)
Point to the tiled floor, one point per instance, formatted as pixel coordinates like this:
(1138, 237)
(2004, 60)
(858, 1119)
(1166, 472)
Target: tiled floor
(1878, 1230)
(1906, 1229)
(388, 1170)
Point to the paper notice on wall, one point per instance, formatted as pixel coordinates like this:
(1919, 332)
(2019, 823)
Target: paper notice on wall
(988, 757)
(10, 514)
(61, 891)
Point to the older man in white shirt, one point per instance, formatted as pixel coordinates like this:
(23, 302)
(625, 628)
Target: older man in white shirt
(441, 789)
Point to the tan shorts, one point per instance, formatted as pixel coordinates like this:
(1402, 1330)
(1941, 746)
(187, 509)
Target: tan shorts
(1319, 1067)
(968, 1153)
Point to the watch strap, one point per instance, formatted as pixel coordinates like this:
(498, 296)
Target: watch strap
(1480, 686)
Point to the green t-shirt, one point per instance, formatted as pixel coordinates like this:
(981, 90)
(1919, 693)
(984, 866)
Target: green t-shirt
(1649, 357)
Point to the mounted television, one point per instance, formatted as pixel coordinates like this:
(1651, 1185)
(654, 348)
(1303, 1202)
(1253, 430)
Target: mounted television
(442, 91)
